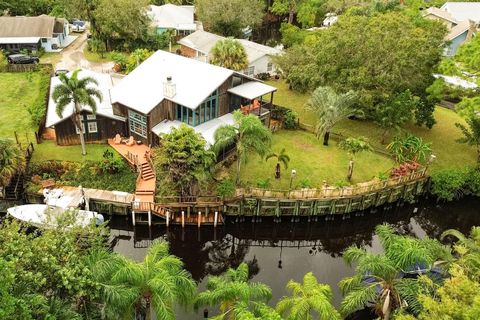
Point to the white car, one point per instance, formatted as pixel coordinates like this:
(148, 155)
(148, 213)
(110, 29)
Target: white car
(78, 26)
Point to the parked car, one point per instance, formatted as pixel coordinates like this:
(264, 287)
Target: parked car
(77, 25)
(22, 59)
(60, 71)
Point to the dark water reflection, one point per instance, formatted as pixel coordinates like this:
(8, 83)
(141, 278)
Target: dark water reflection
(278, 252)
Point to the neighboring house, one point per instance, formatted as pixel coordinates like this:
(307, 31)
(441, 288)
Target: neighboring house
(457, 81)
(461, 20)
(31, 33)
(167, 90)
(99, 127)
(199, 44)
(172, 17)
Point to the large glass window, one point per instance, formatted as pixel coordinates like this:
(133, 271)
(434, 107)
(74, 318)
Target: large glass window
(137, 123)
(207, 110)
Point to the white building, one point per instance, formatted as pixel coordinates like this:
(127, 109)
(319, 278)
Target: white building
(172, 17)
(31, 33)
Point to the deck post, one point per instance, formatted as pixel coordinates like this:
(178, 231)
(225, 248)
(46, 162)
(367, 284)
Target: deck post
(133, 217)
(168, 218)
(199, 218)
(215, 220)
(183, 219)
(149, 218)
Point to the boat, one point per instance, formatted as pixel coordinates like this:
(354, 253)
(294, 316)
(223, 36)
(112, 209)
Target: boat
(45, 216)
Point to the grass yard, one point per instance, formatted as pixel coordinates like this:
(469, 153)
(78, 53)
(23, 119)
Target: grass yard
(95, 57)
(51, 57)
(48, 150)
(450, 154)
(18, 91)
(312, 161)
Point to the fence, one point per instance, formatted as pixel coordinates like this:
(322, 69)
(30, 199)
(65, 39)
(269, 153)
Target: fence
(27, 67)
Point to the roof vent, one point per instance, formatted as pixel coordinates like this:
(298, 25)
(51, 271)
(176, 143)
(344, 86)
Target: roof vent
(169, 88)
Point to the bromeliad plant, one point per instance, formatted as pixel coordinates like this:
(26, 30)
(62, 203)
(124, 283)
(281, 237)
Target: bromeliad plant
(409, 148)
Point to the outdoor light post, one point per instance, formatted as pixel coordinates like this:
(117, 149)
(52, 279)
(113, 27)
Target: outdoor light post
(431, 159)
(292, 175)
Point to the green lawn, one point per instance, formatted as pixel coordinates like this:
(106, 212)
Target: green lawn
(95, 57)
(312, 161)
(442, 136)
(51, 57)
(17, 92)
(48, 150)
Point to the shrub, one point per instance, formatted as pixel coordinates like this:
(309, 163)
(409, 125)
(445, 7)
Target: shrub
(290, 120)
(305, 183)
(263, 76)
(96, 46)
(120, 60)
(449, 184)
(3, 60)
(226, 188)
(110, 164)
(342, 183)
(264, 183)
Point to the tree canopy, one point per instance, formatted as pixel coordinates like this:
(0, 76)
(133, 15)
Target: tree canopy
(229, 53)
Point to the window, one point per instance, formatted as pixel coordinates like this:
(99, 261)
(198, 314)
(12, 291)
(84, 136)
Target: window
(137, 123)
(92, 127)
(207, 110)
(249, 71)
(269, 66)
(91, 117)
(44, 40)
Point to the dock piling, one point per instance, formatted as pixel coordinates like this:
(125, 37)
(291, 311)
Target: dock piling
(215, 220)
(199, 218)
(168, 218)
(133, 217)
(183, 219)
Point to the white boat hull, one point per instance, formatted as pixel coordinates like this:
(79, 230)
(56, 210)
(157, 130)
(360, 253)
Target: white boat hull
(44, 216)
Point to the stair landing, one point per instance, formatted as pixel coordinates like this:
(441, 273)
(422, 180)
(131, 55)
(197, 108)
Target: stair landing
(135, 155)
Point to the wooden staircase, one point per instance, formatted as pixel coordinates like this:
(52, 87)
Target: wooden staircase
(146, 171)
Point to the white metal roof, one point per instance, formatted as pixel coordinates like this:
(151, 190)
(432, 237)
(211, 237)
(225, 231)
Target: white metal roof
(441, 14)
(13, 40)
(142, 90)
(206, 129)
(458, 30)
(457, 81)
(170, 16)
(462, 11)
(104, 108)
(252, 90)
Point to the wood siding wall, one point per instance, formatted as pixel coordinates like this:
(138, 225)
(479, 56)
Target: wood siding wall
(106, 127)
(224, 97)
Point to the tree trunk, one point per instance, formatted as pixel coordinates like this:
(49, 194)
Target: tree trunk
(384, 136)
(326, 136)
(78, 123)
(350, 170)
(277, 171)
(239, 160)
(290, 16)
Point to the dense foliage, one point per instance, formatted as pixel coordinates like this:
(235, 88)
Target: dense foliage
(182, 160)
(12, 160)
(452, 184)
(230, 54)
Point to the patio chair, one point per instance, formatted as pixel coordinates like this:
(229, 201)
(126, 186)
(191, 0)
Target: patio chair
(117, 139)
(130, 141)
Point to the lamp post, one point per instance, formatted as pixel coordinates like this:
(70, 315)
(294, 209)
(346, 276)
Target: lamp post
(292, 175)
(431, 159)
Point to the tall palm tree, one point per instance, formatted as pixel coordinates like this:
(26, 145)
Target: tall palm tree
(234, 294)
(156, 285)
(248, 134)
(307, 299)
(79, 92)
(329, 108)
(354, 146)
(281, 157)
(229, 53)
(12, 161)
(380, 279)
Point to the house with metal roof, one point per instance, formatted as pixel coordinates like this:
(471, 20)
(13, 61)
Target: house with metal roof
(173, 17)
(199, 44)
(33, 33)
(461, 25)
(168, 90)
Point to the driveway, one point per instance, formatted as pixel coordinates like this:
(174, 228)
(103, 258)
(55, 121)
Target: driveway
(73, 58)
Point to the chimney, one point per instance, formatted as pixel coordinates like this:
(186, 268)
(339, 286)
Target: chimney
(169, 88)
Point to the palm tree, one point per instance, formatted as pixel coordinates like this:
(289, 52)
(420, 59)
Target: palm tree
(308, 298)
(354, 146)
(330, 107)
(409, 148)
(229, 53)
(76, 91)
(130, 289)
(281, 157)
(12, 161)
(467, 249)
(248, 134)
(379, 279)
(234, 294)
(472, 136)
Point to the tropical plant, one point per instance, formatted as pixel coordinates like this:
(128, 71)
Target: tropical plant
(233, 294)
(183, 160)
(80, 92)
(136, 58)
(380, 279)
(3, 60)
(264, 183)
(467, 250)
(248, 135)
(154, 286)
(354, 146)
(229, 53)
(449, 184)
(225, 188)
(12, 161)
(308, 299)
(281, 157)
(409, 148)
(290, 120)
(330, 107)
(471, 135)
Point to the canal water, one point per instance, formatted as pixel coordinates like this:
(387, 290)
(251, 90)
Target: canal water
(278, 252)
